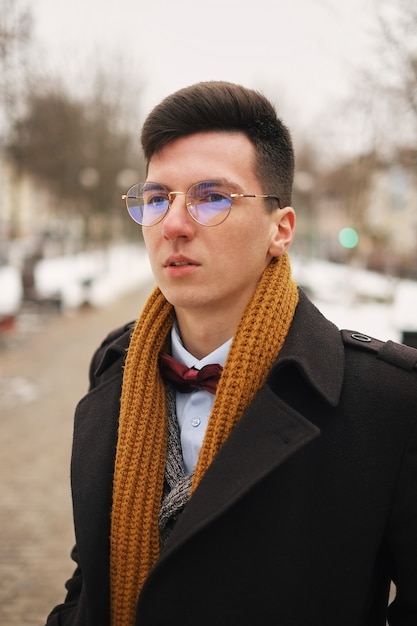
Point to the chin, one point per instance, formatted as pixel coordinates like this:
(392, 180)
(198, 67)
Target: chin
(184, 298)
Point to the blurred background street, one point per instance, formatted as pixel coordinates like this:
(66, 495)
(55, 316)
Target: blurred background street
(43, 374)
(76, 83)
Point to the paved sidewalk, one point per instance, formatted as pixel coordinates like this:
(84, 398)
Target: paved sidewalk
(43, 373)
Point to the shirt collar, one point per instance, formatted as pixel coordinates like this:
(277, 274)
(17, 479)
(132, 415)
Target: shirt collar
(219, 355)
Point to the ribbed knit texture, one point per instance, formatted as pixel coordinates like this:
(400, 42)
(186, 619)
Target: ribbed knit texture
(141, 446)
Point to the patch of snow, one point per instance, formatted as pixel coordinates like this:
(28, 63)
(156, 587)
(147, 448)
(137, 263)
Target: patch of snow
(11, 290)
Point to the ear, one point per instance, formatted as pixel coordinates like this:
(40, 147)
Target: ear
(283, 234)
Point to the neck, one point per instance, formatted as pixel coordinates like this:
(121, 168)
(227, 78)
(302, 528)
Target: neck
(201, 335)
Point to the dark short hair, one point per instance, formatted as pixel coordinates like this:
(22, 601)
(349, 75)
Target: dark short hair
(223, 106)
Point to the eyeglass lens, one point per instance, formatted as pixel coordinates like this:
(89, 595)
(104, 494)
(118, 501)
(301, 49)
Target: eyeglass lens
(208, 202)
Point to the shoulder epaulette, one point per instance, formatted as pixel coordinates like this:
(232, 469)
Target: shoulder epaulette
(397, 354)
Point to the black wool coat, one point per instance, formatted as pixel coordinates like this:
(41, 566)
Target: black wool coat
(305, 516)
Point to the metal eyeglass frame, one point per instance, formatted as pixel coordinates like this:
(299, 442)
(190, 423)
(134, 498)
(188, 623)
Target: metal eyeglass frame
(184, 193)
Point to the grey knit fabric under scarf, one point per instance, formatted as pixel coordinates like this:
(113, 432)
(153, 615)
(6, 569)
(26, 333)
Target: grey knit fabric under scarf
(177, 484)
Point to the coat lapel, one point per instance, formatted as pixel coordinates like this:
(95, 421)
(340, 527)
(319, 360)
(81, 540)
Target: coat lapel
(268, 433)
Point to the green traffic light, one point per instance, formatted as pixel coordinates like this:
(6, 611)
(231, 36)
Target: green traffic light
(348, 237)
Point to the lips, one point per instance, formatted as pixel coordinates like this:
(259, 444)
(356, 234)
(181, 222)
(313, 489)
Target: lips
(179, 262)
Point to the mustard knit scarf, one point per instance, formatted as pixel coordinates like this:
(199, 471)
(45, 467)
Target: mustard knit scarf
(141, 446)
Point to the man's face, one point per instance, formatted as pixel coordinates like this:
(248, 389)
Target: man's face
(213, 271)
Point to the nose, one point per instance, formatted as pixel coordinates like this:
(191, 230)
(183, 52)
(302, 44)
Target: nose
(177, 222)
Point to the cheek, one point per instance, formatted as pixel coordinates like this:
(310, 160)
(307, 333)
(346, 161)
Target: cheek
(149, 240)
(151, 247)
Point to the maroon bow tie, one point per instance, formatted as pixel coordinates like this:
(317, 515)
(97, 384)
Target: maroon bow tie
(187, 379)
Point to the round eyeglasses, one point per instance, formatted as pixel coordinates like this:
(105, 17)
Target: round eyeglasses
(208, 202)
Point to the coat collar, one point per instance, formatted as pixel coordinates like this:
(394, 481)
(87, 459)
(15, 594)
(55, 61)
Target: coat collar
(113, 347)
(315, 346)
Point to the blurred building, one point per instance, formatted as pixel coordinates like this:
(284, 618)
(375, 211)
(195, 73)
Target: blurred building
(377, 199)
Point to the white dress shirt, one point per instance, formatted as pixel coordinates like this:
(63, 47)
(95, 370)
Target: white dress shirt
(193, 409)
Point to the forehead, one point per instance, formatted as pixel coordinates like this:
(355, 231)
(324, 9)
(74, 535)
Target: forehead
(222, 155)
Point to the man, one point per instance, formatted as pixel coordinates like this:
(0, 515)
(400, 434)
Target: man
(288, 494)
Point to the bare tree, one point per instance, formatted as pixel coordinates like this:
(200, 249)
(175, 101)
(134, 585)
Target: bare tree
(47, 140)
(110, 151)
(15, 39)
(384, 98)
(398, 51)
(80, 149)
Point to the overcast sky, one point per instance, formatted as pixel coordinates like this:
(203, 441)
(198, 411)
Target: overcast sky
(300, 52)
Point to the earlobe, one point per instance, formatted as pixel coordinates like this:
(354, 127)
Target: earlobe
(283, 231)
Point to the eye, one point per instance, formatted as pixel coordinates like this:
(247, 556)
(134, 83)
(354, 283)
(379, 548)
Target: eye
(156, 199)
(154, 196)
(214, 196)
(209, 193)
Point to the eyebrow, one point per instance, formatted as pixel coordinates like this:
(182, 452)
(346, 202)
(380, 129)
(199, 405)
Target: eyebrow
(234, 187)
